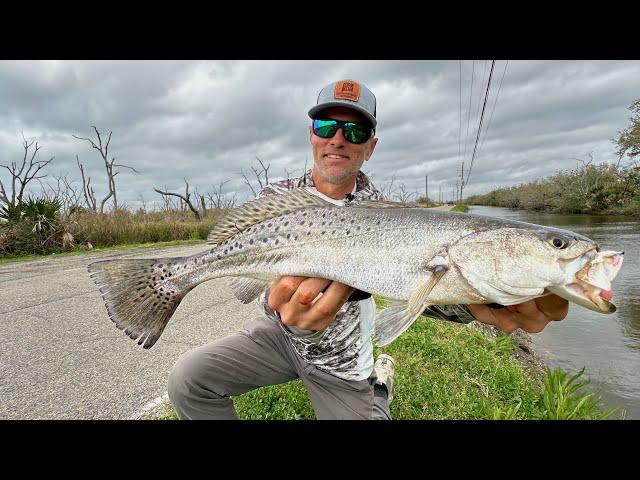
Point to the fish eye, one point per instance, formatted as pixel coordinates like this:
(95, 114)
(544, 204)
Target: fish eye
(559, 242)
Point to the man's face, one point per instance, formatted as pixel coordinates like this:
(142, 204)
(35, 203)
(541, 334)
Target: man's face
(336, 159)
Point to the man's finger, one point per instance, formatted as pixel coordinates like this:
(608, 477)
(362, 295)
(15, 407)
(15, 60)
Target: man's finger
(282, 290)
(309, 289)
(331, 301)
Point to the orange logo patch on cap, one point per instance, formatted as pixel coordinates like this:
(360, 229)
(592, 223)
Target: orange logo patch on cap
(347, 90)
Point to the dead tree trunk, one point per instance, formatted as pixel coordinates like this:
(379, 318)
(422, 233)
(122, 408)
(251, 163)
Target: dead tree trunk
(109, 165)
(20, 177)
(264, 171)
(186, 198)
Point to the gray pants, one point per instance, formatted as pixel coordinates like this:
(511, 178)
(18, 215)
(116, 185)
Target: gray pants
(203, 379)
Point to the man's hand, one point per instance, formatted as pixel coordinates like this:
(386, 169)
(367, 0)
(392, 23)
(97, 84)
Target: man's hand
(302, 303)
(531, 316)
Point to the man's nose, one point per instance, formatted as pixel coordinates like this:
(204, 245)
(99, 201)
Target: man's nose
(338, 138)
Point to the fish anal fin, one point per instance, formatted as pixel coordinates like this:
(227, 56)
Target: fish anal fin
(247, 289)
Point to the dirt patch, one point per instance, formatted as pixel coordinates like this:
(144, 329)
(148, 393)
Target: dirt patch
(523, 352)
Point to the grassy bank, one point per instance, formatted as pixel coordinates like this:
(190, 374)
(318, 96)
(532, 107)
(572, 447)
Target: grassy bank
(84, 231)
(444, 371)
(460, 208)
(593, 189)
(81, 250)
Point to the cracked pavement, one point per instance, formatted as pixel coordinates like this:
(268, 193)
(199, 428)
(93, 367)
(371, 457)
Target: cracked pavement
(61, 357)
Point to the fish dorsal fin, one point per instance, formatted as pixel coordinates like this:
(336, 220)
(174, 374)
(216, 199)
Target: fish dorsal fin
(261, 209)
(380, 204)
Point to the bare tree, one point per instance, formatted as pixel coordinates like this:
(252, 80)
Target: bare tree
(387, 189)
(186, 198)
(402, 195)
(143, 202)
(87, 189)
(109, 165)
(217, 199)
(66, 191)
(22, 174)
(259, 174)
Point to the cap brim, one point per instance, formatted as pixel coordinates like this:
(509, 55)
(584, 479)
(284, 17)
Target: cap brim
(314, 110)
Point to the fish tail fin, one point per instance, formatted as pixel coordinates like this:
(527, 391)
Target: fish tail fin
(140, 295)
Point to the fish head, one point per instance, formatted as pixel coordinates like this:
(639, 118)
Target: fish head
(511, 265)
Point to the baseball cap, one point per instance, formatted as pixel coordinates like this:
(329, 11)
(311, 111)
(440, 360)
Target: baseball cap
(350, 94)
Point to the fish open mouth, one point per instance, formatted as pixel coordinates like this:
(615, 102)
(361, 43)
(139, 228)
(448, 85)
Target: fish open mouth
(590, 285)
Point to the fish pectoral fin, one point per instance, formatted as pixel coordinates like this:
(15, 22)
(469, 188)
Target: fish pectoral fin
(247, 289)
(391, 322)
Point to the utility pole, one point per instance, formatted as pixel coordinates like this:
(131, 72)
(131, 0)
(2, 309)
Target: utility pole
(461, 180)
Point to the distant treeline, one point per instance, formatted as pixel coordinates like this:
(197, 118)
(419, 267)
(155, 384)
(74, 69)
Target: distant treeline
(588, 188)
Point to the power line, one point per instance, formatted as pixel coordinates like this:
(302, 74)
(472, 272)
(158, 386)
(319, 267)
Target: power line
(460, 116)
(484, 137)
(480, 124)
(484, 75)
(466, 138)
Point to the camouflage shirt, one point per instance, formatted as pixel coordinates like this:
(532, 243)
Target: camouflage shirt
(344, 348)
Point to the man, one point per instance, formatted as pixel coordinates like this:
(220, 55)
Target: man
(315, 329)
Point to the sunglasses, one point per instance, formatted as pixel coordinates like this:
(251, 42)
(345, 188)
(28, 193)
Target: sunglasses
(352, 131)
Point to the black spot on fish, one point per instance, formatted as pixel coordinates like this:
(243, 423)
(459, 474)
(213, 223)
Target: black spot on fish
(323, 232)
(277, 241)
(302, 222)
(348, 232)
(265, 240)
(286, 223)
(288, 236)
(251, 242)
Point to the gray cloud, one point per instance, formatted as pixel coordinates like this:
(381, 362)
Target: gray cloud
(205, 121)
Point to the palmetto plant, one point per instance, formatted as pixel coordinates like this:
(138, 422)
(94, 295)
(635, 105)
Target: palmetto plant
(563, 398)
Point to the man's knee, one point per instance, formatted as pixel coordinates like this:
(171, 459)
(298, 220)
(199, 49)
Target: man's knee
(188, 377)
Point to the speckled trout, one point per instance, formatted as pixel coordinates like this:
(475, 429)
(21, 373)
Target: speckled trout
(415, 257)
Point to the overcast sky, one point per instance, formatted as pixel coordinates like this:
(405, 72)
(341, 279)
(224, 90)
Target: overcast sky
(207, 120)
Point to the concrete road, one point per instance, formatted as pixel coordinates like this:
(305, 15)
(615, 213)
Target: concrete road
(61, 357)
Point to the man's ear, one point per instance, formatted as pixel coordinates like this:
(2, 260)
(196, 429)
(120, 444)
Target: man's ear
(372, 147)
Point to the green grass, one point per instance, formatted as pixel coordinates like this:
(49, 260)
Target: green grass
(446, 371)
(460, 208)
